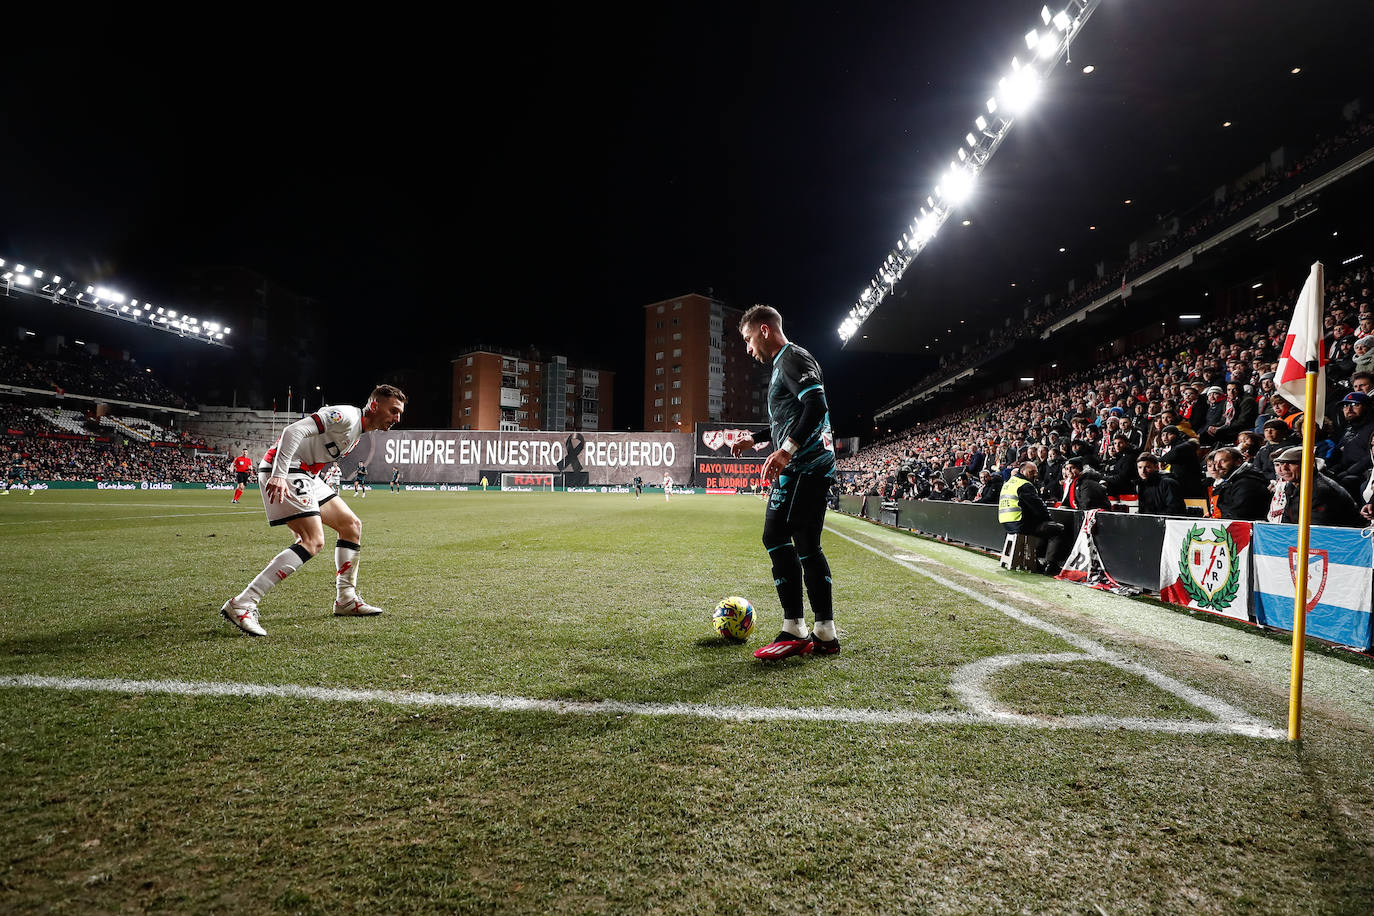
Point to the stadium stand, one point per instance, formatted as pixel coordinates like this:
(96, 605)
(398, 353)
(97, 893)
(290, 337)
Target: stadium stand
(75, 370)
(1055, 420)
(1244, 198)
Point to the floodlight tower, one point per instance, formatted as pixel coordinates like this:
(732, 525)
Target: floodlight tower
(1016, 92)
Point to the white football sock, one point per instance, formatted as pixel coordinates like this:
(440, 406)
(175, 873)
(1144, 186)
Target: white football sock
(824, 629)
(796, 626)
(346, 569)
(282, 565)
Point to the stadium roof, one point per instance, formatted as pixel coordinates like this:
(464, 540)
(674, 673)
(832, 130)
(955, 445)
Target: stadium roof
(1182, 99)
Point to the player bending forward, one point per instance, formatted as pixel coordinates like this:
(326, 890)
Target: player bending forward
(294, 496)
(801, 469)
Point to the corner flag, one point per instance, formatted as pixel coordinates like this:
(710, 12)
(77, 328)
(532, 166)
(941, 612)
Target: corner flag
(1304, 345)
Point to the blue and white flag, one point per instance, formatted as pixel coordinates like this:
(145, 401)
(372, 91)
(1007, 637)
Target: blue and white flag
(1340, 572)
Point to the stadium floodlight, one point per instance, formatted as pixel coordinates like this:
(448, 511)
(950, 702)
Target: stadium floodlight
(171, 313)
(2, 262)
(1015, 94)
(227, 330)
(958, 184)
(7, 275)
(90, 290)
(38, 274)
(55, 278)
(19, 268)
(62, 291)
(24, 280)
(1019, 90)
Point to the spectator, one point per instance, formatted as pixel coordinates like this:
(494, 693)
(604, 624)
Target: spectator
(1180, 458)
(1159, 494)
(1085, 490)
(1021, 511)
(1331, 504)
(1240, 491)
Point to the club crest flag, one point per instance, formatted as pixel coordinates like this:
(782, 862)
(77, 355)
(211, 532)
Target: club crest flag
(1304, 344)
(1206, 565)
(1340, 572)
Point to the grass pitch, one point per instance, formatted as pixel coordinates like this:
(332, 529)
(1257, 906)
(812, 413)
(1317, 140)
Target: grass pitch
(598, 607)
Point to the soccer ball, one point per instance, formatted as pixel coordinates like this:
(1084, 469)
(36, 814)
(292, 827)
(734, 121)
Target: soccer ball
(733, 618)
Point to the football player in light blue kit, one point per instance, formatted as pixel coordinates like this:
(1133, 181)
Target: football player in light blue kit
(802, 469)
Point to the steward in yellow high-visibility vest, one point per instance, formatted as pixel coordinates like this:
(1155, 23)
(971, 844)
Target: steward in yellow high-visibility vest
(1021, 511)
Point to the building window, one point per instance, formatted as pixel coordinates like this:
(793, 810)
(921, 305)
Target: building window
(469, 361)
(467, 395)
(659, 325)
(658, 371)
(467, 411)
(658, 387)
(677, 383)
(676, 306)
(467, 379)
(658, 418)
(658, 402)
(677, 336)
(660, 310)
(658, 355)
(677, 351)
(677, 370)
(677, 401)
(677, 321)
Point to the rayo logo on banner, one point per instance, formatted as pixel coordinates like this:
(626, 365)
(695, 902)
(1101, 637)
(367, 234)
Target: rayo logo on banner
(1340, 571)
(1206, 565)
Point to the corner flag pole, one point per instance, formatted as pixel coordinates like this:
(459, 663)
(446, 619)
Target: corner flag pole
(1313, 367)
(1300, 575)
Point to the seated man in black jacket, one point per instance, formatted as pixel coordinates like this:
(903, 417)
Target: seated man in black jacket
(1331, 504)
(1159, 493)
(1085, 490)
(1240, 492)
(1119, 475)
(989, 488)
(1021, 511)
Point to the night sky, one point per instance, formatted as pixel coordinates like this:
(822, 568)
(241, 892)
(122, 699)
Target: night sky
(532, 176)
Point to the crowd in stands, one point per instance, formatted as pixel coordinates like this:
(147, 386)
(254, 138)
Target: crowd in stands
(71, 459)
(1200, 405)
(76, 370)
(1325, 152)
(35, 449)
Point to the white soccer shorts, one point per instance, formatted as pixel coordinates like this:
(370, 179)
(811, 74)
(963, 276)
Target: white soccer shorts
(305, 493)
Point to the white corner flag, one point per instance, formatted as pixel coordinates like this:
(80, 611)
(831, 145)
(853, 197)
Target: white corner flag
(1304, 344)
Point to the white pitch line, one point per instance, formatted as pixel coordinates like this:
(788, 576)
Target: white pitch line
(969, 678)
(126, 518)
(497, 703)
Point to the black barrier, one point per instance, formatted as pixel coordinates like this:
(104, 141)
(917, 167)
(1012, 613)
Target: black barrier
(1129, 547)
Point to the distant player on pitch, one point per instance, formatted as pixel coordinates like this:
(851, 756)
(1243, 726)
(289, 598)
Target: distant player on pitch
(242, 465)
(294, 496)
(639, 485)
(360, 481)
(395, 479)
(801, 470)
(667, 487)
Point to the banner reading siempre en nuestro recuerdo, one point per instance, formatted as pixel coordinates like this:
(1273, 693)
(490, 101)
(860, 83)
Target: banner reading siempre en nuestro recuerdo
(1206, 565)
(460, 455)
(717, 468)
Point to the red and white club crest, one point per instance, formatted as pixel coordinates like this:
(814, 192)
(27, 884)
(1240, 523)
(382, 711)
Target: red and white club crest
(723, 438)
(1317, 567)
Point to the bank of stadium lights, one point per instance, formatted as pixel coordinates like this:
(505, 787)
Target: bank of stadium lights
(1016, 92)
(109, 301)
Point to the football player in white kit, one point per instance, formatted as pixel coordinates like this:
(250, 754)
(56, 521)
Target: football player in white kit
(667, 487)
(295, 496)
